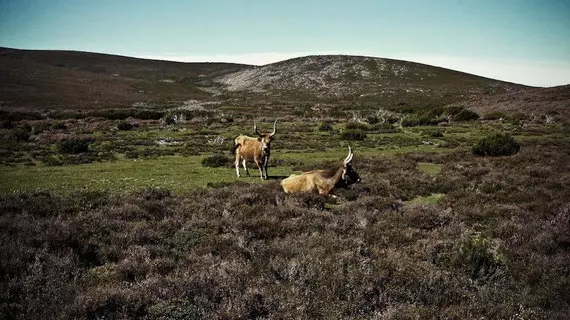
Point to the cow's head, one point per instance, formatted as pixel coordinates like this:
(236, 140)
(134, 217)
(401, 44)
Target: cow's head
(349, 175)
(265, 138)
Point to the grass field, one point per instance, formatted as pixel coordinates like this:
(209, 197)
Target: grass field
(137, 227)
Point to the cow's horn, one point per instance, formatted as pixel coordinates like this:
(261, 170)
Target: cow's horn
(255, 128)
(350, 155)
(274, 129)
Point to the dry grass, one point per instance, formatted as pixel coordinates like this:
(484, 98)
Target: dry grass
(494, 246)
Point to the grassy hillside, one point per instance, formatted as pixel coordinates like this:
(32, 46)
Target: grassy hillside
(36, 79)
(80, 80)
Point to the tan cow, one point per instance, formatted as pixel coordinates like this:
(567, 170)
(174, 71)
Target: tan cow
(254, 149)
(322, 181)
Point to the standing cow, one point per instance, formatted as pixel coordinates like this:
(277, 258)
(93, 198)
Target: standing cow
(254, 149)
(323, 181)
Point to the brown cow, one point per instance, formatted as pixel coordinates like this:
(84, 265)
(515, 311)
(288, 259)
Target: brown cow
(322, 181)
(254, 149)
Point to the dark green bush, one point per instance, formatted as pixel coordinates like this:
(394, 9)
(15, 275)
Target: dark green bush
(372, 120)
(6, 124)
(73, 146)
(434, 133)
(496, 145)
(494, 115)
(353, 134)
(148, 114)
(424, 120)
(217, 160)
(124, 126)
(324, 126)
(357, 126)
(385, 127)
(466, 115)
(59, 126)
(22, 133)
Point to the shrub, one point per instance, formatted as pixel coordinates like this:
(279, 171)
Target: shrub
(325, 127)
(357, 126)
(419, 121)
(385, 127)
(434, 133)
(217, 160)
(20, 133)
(6, 124)
(372, 120)
(59, 126)
(466, 115)
(353, 134)
(496, 145)
(124, 126)
(494, 115)
(73, 146)
(479, 257)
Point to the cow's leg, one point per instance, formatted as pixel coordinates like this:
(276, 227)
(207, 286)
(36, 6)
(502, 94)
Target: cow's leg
(265, 166)
(237, 166)
(260, 167)
(244, 163)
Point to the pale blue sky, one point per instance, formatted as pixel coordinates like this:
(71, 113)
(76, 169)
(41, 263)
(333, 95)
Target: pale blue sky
(525, 41)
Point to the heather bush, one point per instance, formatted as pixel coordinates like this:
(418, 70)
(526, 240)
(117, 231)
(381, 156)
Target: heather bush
(217, 160)
(353, 134)
(59, 126)
(496, 145)
(465, 115)
(324, 126)
(357, 126)
(73, 146)
(124, 126)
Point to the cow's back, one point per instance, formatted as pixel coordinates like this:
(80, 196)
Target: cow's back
(297, 183)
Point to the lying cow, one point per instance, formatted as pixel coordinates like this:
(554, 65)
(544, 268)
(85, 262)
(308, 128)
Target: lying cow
(322, 181)
(254, 149)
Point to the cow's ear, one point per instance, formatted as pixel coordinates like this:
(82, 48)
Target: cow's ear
(259, 139)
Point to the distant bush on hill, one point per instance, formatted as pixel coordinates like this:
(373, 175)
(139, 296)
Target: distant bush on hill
(465, 115)
(324, 126)
(353, 134)
(73, 146)
(124, 126)
(217, 160)
(496, 145)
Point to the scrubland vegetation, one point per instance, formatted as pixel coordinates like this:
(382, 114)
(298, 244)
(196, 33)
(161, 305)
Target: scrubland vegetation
(442, 226)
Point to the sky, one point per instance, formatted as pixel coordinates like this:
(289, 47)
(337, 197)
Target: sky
(522, 41)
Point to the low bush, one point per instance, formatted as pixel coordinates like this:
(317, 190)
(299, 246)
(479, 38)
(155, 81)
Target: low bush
(6, 124)
(217, 160)
(73, 146)
(324, 126)
(22, 133)
(496, 145)
(353, 134)
(357, 126)
(419, 121)
(494, 115)
(372, 119)
(466, 115)
(59, 126)
(124, 126)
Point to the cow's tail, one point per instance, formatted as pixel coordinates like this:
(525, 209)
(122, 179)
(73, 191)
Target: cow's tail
(234, 148)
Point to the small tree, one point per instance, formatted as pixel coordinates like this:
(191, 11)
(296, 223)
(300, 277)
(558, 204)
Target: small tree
(496, 145)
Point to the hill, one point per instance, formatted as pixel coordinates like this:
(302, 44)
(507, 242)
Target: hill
(79, 80)
(363, 79)
(76, 80)
(553, 101)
